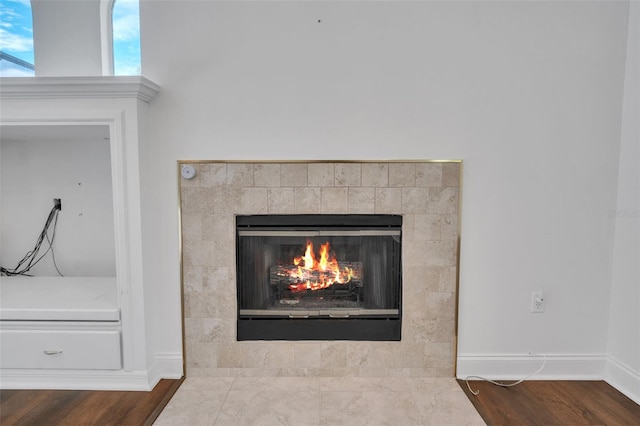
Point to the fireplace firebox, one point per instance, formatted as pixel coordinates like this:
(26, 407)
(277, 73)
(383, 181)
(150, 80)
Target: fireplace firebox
(319, 277)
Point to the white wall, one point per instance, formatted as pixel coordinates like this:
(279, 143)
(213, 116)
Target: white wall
(67, 37)
(528, 94)
(624, 322)
(33, 173)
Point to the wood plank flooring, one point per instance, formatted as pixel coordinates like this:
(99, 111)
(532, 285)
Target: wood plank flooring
(532, 403)
(71, 407)
(551, 403)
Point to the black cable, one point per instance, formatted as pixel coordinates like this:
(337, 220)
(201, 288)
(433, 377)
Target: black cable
(31, 258)
(50, 241)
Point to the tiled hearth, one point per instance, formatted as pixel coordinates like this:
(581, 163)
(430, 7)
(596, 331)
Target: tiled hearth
(425, 193)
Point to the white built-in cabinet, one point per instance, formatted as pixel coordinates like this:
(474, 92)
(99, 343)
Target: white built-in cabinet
(83, 332)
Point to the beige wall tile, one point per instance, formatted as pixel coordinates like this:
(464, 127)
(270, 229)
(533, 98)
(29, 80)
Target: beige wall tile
(321, 174)
(418, 279)
(200, 305)
(218, 227)
(253, 201)
(240, 174)
(414, 253)
(213, 174)
(192, 278)
(443, 200)
(267, 174)
(388, 200)
(402, 174)
(220, 279)
(438, 355)
(428, 226)
(225, 200)
(414, 200)
(408, 355)
(192, 227)
(449, 226)
(293, 174)
(230, 356)
(198, 253)
(307, 355)
(335, 200)
(281, 201)
(333, 354)
(196, 201)
(429, 174)
(375, 174)
(348, 174)
(451, 174)
(440, 305)
(441, 253)
(218, 331)
(362, 200)
(308, 200)
(448, 279)
(203, 355)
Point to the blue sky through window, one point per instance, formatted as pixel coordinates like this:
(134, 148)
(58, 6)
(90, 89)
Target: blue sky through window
(16, 37)
(126, 37)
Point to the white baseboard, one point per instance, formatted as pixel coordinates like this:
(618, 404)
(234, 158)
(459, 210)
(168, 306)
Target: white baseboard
(165, 366)
(623, 378)
(557, 367)
(74, 380)
(516, 367)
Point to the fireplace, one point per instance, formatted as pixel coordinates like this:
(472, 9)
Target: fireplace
(319, 277)
(424, 194)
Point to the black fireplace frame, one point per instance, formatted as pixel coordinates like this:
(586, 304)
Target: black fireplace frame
(374, 326)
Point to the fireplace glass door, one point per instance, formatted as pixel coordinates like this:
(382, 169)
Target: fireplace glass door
(310, 277)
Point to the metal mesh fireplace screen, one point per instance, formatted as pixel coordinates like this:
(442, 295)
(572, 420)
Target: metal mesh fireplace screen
(311, 277)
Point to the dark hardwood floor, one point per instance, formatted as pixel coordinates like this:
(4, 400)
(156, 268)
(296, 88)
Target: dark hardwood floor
(553, 403)
(75, 408)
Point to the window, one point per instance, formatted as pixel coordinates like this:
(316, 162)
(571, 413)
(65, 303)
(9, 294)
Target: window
(126, 37)
(16, 39)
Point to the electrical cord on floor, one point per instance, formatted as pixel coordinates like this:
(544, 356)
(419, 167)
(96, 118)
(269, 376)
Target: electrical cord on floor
(31, 259)
(505, 385)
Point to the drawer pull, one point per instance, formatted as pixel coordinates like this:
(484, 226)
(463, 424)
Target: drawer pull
(52, 352)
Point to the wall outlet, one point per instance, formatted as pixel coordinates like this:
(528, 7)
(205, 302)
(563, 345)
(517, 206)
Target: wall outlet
(537, 301)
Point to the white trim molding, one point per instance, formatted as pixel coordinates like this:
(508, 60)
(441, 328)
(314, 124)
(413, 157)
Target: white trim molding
(78, 87)
(75, 380)
(519, 366)
(165, 366)
(623, 378)
(557, 367)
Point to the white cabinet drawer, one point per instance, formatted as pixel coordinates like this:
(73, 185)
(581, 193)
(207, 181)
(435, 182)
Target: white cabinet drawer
(65, 349)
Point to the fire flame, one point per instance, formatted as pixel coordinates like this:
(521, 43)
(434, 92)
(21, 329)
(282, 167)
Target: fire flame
(313, 274)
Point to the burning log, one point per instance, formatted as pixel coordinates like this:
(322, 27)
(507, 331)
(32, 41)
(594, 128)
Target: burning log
(345, 272)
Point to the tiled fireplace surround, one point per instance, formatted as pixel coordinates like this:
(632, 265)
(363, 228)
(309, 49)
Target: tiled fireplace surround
(425, 193)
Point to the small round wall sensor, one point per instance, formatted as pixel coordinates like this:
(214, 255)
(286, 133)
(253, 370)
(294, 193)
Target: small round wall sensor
(188, 171)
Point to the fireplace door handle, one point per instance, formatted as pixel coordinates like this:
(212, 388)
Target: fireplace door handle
(339, 315)
(299, 316)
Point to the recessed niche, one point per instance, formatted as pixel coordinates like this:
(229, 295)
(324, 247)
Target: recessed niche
(67, 162)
